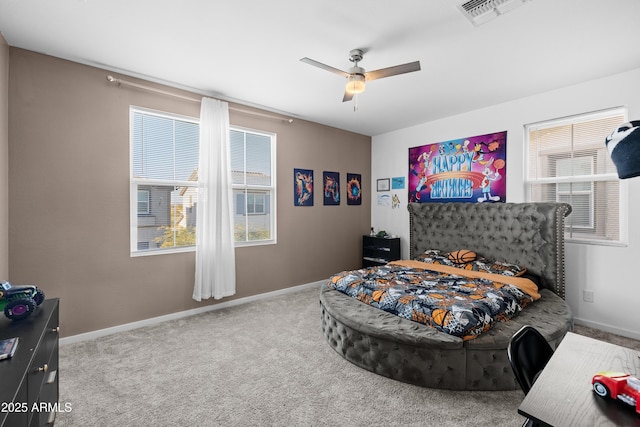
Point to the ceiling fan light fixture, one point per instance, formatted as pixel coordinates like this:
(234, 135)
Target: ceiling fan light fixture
(356, 75)
(355, 84)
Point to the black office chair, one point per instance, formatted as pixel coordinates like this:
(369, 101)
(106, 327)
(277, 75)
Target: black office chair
(528, 353)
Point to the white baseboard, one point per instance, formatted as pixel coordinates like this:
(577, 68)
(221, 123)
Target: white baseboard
(155, 320)
(607, 328)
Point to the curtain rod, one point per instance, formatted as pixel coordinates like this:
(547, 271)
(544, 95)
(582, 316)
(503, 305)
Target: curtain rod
(117, 81)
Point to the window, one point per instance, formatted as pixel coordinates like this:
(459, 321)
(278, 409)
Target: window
(164, 187)
(143, 202)
(568, 162)
(255, 204)
(164, 171)
(252, 166)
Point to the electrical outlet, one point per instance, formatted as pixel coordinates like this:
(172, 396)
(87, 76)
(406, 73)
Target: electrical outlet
(587, 295)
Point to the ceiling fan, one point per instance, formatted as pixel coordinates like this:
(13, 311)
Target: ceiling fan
(356, 76)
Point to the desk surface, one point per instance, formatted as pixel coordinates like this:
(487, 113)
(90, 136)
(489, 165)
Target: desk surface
(562, 394)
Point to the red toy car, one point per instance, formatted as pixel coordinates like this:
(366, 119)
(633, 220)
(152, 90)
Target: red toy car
(618, 385)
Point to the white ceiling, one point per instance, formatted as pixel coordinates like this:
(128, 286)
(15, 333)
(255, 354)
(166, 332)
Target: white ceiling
(249, 51)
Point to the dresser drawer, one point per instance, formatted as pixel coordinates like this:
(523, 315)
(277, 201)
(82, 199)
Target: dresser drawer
(41, 364)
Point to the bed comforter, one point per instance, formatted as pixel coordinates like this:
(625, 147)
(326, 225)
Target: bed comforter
(452, 300)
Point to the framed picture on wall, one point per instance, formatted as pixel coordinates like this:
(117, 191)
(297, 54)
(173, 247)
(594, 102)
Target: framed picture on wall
(383, 184)
(397, 183)
(303, 187)
(354, 189)
(331, 188)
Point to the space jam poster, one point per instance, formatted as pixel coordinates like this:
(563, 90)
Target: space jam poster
(463, 170)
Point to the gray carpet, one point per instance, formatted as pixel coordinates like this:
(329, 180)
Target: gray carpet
(255, 364)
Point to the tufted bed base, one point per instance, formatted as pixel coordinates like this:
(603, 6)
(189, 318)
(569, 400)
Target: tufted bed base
(417, 354)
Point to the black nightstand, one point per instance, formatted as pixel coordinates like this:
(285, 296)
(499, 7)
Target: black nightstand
(379, 250)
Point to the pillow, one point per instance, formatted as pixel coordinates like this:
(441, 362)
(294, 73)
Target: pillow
(496, 267)
(469, 260)
(462, 256)
(434, 256)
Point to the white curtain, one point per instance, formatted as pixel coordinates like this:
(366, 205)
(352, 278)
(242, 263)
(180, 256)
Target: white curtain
(215, 253)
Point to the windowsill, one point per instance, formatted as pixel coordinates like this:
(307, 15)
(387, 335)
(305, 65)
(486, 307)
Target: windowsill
(151, 252)
(596, 242)
(255, 243)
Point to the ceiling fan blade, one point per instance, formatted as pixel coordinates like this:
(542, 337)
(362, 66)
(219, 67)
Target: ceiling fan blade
(347, 97)
(392, 71)
(324, 66)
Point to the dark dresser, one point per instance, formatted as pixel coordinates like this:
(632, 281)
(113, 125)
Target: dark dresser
(29, 380)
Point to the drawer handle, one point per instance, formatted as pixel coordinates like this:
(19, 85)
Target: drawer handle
(43, 368)
(56, 329)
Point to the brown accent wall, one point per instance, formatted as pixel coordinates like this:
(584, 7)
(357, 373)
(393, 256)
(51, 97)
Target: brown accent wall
(69, 200)
(4, 159)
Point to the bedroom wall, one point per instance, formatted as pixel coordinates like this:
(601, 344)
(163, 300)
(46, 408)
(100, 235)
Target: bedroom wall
(609, 271)
(69, 193)
(4, 159)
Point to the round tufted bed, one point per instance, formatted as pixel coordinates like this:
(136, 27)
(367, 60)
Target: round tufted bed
(528, 234)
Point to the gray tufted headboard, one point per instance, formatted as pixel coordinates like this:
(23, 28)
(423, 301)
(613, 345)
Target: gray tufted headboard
(527, 234)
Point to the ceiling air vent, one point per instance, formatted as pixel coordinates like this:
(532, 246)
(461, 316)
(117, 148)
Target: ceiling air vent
(481, 11)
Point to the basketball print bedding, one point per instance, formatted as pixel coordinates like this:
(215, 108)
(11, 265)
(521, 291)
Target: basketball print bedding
(463, 299)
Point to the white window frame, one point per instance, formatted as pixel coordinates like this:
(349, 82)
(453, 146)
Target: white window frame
(591, 178)
(261, 188)
(135, 182)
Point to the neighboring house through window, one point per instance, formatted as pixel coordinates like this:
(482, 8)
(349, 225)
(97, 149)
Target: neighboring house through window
(567, 161)
(164, 183)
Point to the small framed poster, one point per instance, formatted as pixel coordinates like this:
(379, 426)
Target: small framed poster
(354, 189)
(331, 185)
(383, 184)
(303, 187)
(397, 182)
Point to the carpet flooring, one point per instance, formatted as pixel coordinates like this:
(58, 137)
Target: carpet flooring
(258, 364)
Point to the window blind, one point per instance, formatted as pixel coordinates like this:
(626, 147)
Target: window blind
(568, 162)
